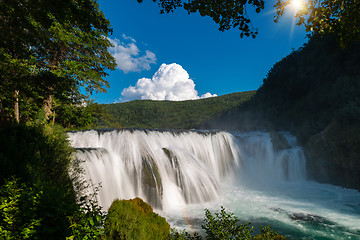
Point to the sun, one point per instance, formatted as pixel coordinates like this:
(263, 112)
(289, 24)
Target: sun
(297, 5)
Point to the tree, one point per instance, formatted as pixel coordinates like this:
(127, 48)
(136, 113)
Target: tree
(65, 40)
(328, 16)
(318, 16)
(79, 54)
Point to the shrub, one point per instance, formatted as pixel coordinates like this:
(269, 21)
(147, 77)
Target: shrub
(224, 226)
(87, 222)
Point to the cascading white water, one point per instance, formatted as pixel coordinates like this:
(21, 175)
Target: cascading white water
(171, 169)
(167, 169)
(182, 172)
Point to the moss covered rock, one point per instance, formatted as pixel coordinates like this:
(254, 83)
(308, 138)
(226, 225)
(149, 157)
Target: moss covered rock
(135, 219)
(151, 182)
(279, 141)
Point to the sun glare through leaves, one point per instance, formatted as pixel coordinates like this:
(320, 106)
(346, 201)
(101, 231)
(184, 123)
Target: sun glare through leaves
(297, 5)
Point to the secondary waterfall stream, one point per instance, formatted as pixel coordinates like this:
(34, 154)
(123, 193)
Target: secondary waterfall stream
(181, 172)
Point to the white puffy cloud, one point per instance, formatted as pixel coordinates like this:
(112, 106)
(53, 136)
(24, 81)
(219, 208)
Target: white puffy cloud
(170, 82)
(127, 55)
(207, 95)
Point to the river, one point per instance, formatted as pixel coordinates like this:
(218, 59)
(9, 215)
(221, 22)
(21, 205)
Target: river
(182, 172)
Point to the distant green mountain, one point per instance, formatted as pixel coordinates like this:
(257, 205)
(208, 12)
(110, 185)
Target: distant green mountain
(167, 114)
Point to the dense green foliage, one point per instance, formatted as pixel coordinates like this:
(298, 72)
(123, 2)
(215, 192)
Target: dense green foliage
(224, 225)
(74, 117)
(18, 205)
(312, 87)
(168, 114)
(135, 219)
(35, 154)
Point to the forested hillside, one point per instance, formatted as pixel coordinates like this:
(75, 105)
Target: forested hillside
(315, 93)
(166, 114)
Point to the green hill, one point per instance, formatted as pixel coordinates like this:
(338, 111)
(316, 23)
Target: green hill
(167, 114)
(314, 93)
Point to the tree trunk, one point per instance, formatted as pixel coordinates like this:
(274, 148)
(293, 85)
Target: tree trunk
(16, 105)
(53, 119)
(48, 107)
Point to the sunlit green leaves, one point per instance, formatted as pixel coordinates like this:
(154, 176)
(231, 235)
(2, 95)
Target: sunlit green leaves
(327, 16)
(87, 222)
(17, 210)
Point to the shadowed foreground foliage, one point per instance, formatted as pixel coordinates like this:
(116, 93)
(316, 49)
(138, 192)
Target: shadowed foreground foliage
(37, 197)
(35, 189)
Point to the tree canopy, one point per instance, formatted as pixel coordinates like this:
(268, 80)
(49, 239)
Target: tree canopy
(318, 16)
(227, 14)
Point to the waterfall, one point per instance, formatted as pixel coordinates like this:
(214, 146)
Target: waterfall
(170, 169)
(264, 164)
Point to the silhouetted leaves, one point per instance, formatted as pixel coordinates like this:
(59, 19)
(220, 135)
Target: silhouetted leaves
(227, 14)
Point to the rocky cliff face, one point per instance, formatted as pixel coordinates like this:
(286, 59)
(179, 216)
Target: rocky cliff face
(333, 155)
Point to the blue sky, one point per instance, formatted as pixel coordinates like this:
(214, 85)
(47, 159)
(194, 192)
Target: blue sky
(147, 44)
